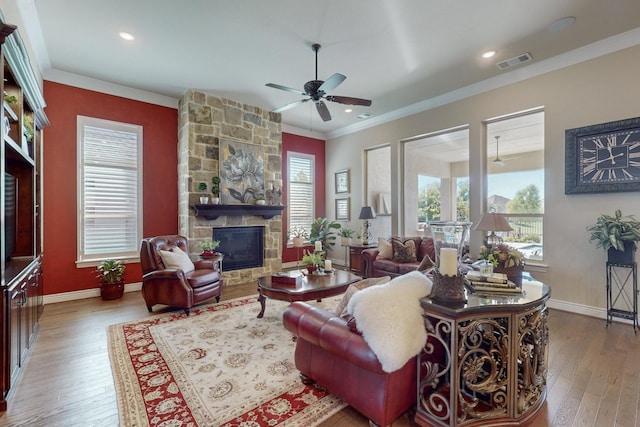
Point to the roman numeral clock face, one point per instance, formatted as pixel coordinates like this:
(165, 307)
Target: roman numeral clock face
(610, 158)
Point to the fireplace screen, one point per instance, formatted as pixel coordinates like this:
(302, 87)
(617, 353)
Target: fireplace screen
(243, 247)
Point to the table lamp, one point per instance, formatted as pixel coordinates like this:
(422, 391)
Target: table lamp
(366, 213)
(492, 221)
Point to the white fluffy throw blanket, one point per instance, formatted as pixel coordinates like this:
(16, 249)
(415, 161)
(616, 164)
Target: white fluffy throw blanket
(389, 317)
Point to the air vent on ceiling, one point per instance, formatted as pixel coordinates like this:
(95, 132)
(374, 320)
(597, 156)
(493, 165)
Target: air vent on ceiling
(364, 116)
(508, 63)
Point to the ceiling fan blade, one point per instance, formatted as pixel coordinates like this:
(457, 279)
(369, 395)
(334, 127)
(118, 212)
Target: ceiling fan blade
(323, 111)
(289, 105)
(331, 83)
(288, 89)
(349, 100)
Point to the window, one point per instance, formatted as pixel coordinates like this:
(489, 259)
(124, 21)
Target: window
(301, 191)
(436, 179)
(109, 190)
(515, 180)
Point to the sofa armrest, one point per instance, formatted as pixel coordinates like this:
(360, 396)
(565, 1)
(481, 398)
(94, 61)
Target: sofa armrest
(368, 256)
(323, 329)
(167, 277)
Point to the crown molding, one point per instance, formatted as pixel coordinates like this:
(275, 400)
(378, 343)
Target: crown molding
(585, 53)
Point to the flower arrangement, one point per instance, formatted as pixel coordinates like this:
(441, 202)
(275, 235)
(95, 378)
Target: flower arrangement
(502, 255)
(311, 258)
(298, 231)
(209, 247)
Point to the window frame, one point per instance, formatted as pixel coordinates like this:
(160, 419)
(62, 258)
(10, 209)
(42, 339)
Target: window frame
(82, 259)
(312, 160)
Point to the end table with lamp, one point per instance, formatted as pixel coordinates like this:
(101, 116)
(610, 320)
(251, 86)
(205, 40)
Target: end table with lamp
(492, 221)
(366, 213)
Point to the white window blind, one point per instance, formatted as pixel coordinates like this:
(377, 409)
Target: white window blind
(110, 189)
(301, 191)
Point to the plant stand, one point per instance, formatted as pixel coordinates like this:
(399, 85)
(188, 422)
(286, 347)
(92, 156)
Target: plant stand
(620, 302)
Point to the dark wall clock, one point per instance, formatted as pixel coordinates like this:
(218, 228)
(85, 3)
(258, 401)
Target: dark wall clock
(603, 158)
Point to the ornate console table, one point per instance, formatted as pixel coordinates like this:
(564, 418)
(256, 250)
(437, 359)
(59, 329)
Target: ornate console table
(484, 363)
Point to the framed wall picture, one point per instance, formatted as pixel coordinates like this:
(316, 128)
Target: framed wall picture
(603, 158)
(342, 181)
(343, 211)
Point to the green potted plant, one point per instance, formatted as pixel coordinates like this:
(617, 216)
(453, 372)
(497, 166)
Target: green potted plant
(346, 234)
(202, 186)
(298, 236)
(312, 260)
(323, 230)
(209, 248)
(617, 235)
(215, 190)
(111, 273)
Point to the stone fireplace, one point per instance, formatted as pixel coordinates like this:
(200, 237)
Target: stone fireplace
(205, 120)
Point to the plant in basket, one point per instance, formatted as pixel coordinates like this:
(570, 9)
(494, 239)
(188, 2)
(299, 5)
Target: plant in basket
(505, 259)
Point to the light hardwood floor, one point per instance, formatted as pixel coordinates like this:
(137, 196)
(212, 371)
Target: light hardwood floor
(593, 380)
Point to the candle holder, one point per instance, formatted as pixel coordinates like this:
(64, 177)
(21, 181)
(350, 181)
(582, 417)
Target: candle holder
(448, 290)
(449, 240)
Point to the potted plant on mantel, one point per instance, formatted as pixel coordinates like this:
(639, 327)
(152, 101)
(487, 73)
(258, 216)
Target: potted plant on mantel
(111, 273)
(203, 187)
(215, 190)
(617, 235)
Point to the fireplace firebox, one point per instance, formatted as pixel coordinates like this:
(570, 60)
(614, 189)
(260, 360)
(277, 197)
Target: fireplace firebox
(243, 247)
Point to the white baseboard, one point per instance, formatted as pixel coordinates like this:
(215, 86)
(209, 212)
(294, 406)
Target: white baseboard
(571, 307)
(87, 293)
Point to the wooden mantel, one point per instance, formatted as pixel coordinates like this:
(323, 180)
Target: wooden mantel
(214, 211)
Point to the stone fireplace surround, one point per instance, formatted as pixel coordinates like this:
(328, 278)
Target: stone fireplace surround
(203, 121)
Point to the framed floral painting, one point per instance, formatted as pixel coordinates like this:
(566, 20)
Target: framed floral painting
(241, 172)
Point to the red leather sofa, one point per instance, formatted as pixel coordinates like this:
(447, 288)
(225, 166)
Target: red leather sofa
(376, 267)
(334, 355)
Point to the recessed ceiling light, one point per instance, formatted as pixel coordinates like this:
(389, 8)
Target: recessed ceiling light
(126, 36)
(489, 54)
(348, 110)
(562, 24)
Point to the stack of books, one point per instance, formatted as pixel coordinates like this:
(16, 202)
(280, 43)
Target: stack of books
(491, 283)
(287, 278)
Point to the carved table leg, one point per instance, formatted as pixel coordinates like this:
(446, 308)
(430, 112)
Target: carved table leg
(262, 299)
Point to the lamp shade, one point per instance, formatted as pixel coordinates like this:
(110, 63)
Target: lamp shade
(492, 221)
(367, 212)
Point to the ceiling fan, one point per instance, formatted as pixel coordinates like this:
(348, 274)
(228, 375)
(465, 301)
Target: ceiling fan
(499, 161)
(317, 90)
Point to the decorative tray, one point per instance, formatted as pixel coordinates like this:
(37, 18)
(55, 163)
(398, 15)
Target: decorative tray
(318, 272)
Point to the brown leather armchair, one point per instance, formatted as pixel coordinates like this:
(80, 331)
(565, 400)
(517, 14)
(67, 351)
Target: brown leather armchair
(174, 287)
(332, 353)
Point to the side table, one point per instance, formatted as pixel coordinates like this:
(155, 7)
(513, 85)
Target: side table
(355, 257)
(621, 301)
(484, 362)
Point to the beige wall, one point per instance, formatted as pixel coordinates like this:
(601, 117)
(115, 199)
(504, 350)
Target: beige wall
(597, 91)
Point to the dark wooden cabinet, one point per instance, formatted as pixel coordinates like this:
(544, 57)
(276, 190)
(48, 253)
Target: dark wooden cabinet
(21, 120)
(355, 258)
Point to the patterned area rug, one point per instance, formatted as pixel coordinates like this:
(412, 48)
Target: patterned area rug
(221, 366)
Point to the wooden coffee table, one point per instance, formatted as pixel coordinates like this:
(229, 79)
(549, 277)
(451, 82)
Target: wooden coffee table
(312, 287)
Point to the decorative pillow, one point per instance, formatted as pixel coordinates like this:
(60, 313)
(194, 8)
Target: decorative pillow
(425, 264)
(341, 309)
(404, 251)
(385, 249)
(177, 259)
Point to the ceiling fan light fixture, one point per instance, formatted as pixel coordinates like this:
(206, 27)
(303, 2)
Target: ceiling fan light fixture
(497, 161)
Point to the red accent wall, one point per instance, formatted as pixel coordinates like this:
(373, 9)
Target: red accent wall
(302, 144)
(160, 177)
